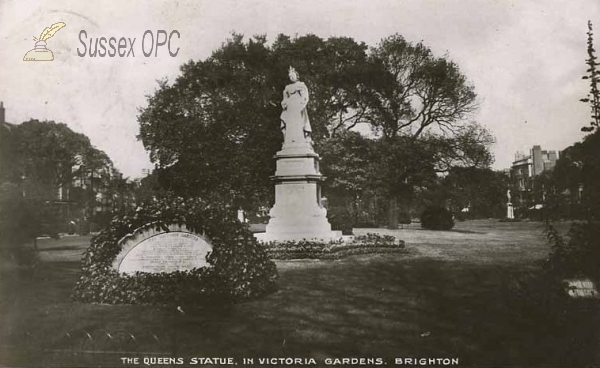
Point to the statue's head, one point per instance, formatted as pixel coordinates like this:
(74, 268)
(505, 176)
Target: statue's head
(293, 74)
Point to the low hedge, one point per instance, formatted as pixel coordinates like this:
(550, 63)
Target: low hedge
(309, 249)
(239, 266)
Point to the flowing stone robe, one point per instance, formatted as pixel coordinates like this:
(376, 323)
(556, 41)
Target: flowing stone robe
(295, 123)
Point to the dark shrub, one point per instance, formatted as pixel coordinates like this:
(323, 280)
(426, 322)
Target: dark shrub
(404, 217)
(340, 219)
(436, 218)
(577, 257)
(461, 216)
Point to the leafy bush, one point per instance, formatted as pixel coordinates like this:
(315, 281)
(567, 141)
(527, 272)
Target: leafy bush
(308, 249)
(577, 257)
(404, 217)
(461, 216)
(340, 219)
(436, 218)
(23, 219)
(24, 257)
(239, 266)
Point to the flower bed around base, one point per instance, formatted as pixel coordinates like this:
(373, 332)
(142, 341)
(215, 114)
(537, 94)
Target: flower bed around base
(306, 249)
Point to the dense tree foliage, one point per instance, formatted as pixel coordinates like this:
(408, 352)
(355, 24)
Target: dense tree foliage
(421, 108)
(481, 193)
(574, 189)
(419, 91)
(39, 159)
(215, 129)
(43, 154)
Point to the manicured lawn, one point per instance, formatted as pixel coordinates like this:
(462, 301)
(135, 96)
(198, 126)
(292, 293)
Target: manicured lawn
(454, 294)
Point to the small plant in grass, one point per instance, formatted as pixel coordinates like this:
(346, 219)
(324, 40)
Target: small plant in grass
(309, 249)
(579, 256)
(239, 266)
(436, 218)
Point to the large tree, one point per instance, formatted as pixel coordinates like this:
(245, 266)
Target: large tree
(481, 190)
(45, 153)
(214, 131)
(40, 161)
(419, 91)
(421, 107)
(593, 76)
(576, 177)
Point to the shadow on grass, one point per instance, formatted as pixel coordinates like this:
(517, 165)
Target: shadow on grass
(369, 306)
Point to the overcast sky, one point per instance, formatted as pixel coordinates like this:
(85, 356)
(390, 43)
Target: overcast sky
(524, 57)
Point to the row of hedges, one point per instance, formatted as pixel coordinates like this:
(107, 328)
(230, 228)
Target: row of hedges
(239, 266)
(345, 220)
(308, 249)
(432, 218)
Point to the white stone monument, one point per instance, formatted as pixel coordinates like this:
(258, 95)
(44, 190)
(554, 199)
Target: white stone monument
(298, 212)
(510, 211)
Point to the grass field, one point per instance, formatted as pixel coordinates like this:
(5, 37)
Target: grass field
(455, 294)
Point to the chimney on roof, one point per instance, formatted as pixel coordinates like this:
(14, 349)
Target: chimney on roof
(2, 120)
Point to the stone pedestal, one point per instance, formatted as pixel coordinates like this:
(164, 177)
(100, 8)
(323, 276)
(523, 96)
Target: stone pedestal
(298, 213)
(510, 212)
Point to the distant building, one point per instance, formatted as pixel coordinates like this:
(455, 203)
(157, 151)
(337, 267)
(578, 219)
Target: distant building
(526, 168)
(7, 145)
(146, 172)
(2, 113)
(3, 123)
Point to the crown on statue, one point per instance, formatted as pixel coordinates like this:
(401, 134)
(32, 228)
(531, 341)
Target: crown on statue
(292, 70)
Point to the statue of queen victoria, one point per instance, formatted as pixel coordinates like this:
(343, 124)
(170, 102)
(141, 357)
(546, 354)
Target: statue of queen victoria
(295, 124)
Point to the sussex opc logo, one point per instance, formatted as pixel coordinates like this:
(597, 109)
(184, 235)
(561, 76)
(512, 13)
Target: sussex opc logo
(40, 52)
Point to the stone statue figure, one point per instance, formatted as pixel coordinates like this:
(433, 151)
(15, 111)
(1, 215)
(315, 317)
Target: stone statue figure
(508, 196)
(295, 124)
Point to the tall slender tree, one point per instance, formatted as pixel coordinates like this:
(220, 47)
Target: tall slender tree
(593, 76)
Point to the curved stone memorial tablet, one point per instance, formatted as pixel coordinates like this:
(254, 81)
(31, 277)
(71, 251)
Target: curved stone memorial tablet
(149, 250)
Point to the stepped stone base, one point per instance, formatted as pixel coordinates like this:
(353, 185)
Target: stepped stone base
(298, 213)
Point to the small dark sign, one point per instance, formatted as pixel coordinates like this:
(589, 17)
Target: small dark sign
(583, 288)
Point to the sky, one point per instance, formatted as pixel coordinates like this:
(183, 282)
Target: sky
(525, 58)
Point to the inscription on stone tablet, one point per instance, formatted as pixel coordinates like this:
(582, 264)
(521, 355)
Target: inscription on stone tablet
(155, 252)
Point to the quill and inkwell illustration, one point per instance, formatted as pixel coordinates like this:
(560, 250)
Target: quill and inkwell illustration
(40, 52)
